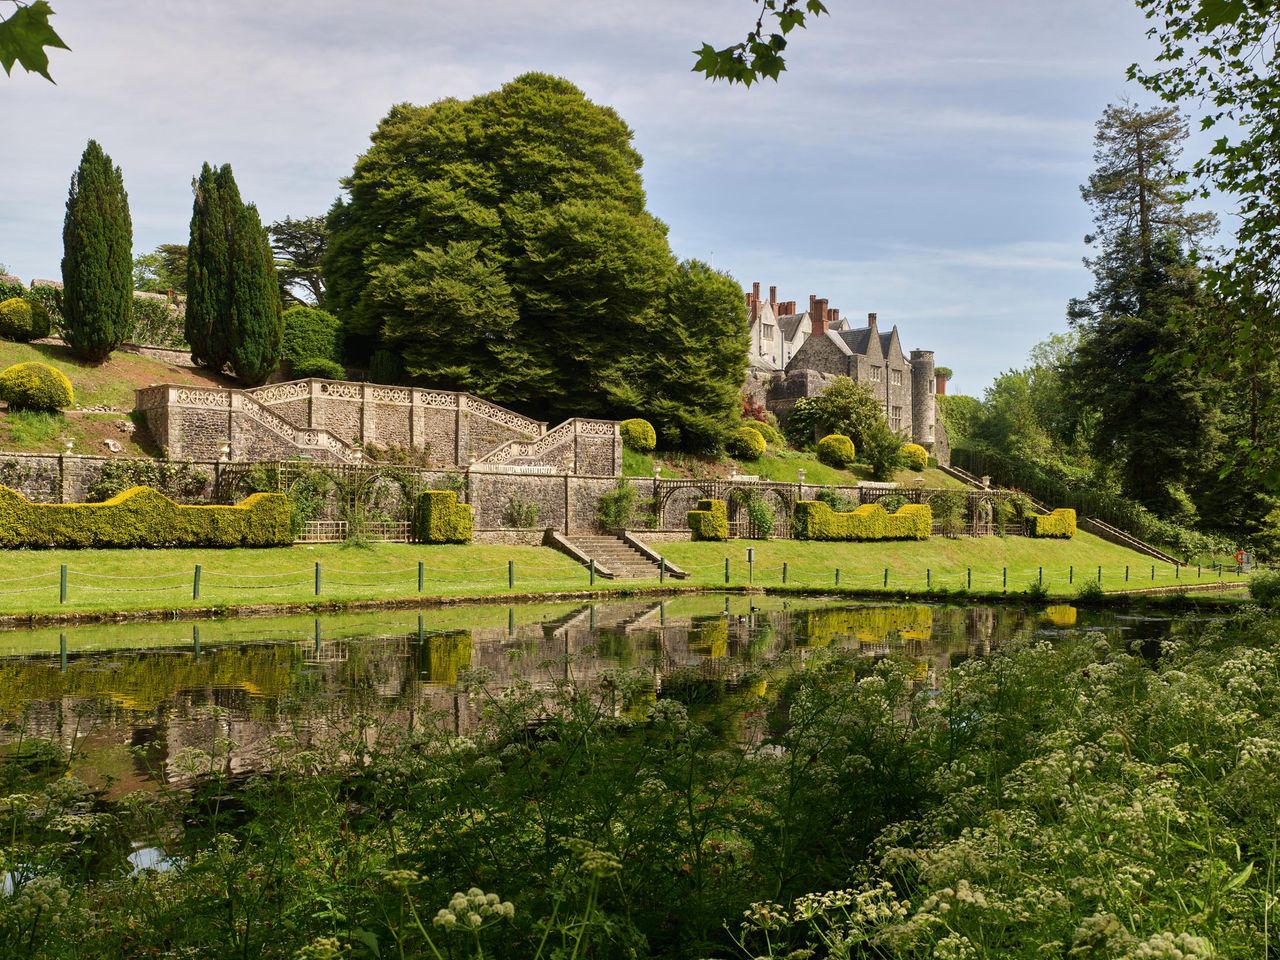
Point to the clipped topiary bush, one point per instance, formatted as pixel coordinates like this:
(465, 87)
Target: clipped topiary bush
(35, 386)
(1059, 525)
(309, 333)
(638, 435)
(442, 519)
(815, 520)
(772, 435)
(836, 450)
(915, 456)
(319, 368)
(746, 443)
(710, 521)
(142, 517)
(23, 320)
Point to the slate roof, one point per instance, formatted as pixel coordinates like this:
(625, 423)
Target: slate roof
(789, 324)
(858, 341)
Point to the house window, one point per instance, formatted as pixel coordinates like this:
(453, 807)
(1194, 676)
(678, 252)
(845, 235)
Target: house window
(875, 374)
(766, 332)
(895, 418)
(895, 377)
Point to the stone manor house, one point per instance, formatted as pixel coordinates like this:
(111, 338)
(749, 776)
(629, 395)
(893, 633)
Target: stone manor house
(798, 354)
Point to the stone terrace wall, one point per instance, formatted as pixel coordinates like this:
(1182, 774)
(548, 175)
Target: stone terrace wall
(49, 478)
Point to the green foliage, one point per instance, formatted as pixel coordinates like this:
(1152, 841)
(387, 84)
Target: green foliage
(846, 407)
(97, 259)
(815, 520)
(1264, 587)
(839, 502)
(307, 497)
(760, 516)
(177, 479)
(710, 521)
(949, 510)
(24, 37)
(34, 428)
(892, 502)
(385, 367)
(158, 321)
(958, 414)
(233, 301)
(520, 513)
(162, 271)
(1036, 591)
(441, 518)
(1060, 524)
(23, 320)
(614, 508)
(772, 435)
(915, 456)
(759, 56)
(11, 287)
(882, 450)
(836, 450)
(142, 517)
(320, 367)
(531, 272)
(801, 425)
(746, 443)
(35, 386)
(638, 435)
(299, 247)
(49, 297)
(310, 333)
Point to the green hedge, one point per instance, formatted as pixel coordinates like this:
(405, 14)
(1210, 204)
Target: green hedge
(915, 456)
(815, 520)
(710, 521)
(321, 368)
(143, 517)
(746, 443)
(23, 320)
(310, 333)
(836, 450)
(442, 519)
(1060, 525)
(35, 386)
(638, 435)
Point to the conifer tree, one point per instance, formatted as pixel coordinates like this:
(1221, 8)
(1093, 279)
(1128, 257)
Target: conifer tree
(233, 302)
(97, 258)
(255, 327)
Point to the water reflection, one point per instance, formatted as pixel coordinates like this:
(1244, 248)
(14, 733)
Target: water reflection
(136, 699)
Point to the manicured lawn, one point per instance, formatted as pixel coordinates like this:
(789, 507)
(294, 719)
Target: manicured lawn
(106, 581)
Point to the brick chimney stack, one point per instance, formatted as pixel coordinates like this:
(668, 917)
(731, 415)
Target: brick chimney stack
(819, 317)
(755, 291)
(773, 295)
(871, 320)
(940, 385)
(813, 304)
(833, 318)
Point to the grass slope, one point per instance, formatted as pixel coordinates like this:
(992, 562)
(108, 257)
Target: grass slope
(110, 581)
(109, 384)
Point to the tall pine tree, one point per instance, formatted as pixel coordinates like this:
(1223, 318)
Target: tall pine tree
(233, 302)
(1154, 416)
(97, 259)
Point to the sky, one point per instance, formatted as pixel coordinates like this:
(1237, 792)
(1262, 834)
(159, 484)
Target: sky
(920, 160)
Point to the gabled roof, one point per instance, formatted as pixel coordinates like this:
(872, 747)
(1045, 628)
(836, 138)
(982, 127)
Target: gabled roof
(856, 341)
(790, 324)
(887, 340)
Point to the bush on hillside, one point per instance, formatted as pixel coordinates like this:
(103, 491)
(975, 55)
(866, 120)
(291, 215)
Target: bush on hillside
(915, 456)
(46, 294)
(320, 367)
(882, 451)
(772, 435)
(310, 334)
(158, 321)
(638, 435)
(746, 443)
(11, 287)
(1265, 588)
(23, 320)
(35, 386)
(836, 450)
(385, 367)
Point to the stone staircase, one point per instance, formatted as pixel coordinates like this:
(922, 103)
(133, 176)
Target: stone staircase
(614, 557)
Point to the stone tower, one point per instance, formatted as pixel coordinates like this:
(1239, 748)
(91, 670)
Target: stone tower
(922, 402)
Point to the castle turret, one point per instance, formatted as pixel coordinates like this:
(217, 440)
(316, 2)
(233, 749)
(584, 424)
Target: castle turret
(923, 412)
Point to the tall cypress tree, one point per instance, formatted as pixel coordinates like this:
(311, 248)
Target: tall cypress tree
(233, 301)
(255, 324)
(97, 258)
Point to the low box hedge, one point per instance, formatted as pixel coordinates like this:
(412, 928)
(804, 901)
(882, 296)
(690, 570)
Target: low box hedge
(1058, 525)
(710, 521)
(143, 517)
(442, 519)
(815, 520)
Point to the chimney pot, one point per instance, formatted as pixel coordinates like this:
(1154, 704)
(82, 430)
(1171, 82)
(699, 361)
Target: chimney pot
(834, 318)
(819, 317)
(755, 290)
(871, 319)
(940, 387)
(773, 294)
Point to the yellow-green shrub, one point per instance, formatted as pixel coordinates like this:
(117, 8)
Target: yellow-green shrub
(710, 521)
(143, 517)
(746, 443)
(35, 386)
(836, 450)
(772, 435)
(915, 456)
(638, 435)
(23, 320)
(1061, 524)
(815, 520)
(442, 519)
